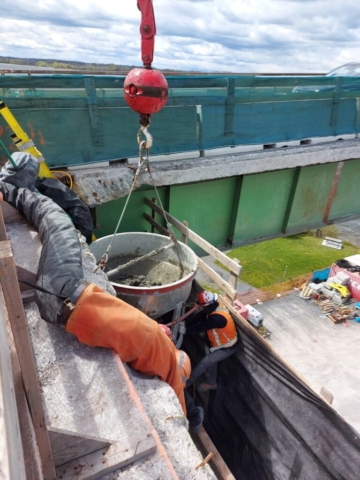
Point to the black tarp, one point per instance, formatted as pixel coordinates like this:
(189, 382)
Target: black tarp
(267, 424)
(70, 203)
(60, 265)
(25, 175)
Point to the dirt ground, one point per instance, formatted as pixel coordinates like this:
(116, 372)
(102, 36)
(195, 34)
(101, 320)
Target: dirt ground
(323, 353)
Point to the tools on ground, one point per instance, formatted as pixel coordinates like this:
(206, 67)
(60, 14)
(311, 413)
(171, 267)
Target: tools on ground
(22, 141)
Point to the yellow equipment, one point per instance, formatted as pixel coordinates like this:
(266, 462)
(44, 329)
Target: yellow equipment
(341, 289)
(22, 141)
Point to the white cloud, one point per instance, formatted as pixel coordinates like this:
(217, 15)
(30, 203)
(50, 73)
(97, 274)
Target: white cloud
(211, 35)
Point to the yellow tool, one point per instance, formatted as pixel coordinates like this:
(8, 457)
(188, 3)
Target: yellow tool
(340, 288)
(22, 141)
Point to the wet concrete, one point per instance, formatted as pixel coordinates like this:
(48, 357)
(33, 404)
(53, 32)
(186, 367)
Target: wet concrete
(147, 273)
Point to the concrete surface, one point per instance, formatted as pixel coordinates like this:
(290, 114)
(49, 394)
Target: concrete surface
(323, 353)
(115, 181)
(85, 390)
(349, 231)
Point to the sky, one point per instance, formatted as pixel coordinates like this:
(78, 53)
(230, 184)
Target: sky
(239, 36)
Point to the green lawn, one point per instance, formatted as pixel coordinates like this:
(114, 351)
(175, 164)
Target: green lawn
(281, 259)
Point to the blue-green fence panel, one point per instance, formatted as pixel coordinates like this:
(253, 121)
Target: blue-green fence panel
(91, 115)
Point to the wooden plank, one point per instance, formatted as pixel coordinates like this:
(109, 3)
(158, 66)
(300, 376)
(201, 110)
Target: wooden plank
(10, 214)
(153, 216)
(25, 275)
(228, 289)
(233, 277)
(67, 446)
(25, 355)
(326, 395)
(30, 449)
(28, 295)
(210, 249)
(217, 463)
(155, 224)
(107, 460)
(184, 237)
(12, 465)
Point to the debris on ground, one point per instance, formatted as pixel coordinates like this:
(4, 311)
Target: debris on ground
(335, 313)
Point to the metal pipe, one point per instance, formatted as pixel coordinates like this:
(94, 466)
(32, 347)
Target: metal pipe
(180, 319)
(7, 153)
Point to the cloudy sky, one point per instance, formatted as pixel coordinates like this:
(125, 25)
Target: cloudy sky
(243, 36)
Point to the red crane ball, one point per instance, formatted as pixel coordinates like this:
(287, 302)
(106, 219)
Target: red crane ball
(145, 90)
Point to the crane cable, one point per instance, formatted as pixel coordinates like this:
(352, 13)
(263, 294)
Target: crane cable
(143, 163)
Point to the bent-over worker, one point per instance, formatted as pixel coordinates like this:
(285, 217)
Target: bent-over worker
(216, 321)
(102, 320)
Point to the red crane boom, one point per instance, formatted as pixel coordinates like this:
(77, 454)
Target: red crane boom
(146, 89)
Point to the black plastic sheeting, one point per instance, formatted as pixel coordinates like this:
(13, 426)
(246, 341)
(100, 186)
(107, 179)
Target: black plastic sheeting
(342, 263)
(60, 265)
(70, 203)
(267, 424)
(25, 175)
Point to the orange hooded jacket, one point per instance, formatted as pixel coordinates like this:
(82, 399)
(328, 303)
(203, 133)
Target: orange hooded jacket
(101, 320)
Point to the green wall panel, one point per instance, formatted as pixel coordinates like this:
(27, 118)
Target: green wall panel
(262, 205)
(108, 214)
(206, 206)
(347, 198)
(311, 196)
(244, 209)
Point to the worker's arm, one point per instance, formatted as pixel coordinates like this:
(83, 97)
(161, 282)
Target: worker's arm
(213, 321)
(196, 318)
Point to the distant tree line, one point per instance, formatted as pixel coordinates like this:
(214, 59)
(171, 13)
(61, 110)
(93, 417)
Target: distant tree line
(79, 66)
(67, 65)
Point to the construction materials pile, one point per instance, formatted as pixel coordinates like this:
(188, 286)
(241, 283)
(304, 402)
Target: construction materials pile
(332, 297)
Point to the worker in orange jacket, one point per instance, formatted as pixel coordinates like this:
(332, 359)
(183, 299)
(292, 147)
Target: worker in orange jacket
(195, 413)
(102, 320)
(214, 319)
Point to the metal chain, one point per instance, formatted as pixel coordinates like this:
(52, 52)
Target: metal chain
(168, 225)
(143, 162)
(145, 145)
(105, 257)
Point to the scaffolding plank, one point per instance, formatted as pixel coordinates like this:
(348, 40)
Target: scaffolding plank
(67, 446)
(217, 463)
(107, 460)
(20, 331)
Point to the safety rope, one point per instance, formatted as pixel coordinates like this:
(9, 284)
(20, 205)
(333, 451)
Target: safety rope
(143, 163)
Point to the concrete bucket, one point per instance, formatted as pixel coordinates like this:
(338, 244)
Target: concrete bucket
(155, 285)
